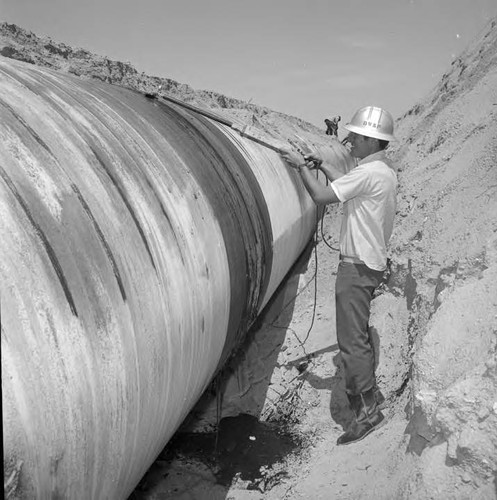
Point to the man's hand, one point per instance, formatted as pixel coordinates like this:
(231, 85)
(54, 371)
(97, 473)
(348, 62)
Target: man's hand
(313, 160)
(295, 160)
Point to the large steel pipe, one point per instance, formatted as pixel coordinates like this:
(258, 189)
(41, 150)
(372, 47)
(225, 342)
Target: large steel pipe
(138, 243)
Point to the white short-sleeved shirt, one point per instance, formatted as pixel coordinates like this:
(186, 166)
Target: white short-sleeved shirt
(368, 193)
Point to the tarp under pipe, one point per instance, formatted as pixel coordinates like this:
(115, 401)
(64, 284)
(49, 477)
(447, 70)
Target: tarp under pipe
(138, 243)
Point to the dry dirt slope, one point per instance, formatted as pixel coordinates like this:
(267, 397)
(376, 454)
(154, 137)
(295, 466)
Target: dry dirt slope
(447, 235)
(438, 316)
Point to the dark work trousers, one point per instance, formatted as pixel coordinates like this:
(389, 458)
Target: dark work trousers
(354, 289)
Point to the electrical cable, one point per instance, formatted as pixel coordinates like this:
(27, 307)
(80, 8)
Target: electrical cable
(315, 284)
(323, 237)
(314, 277)
(316, 270)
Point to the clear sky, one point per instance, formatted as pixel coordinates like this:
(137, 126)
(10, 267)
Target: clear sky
(309, 58)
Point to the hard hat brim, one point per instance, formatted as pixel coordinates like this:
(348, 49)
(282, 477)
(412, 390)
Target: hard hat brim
(369, 133)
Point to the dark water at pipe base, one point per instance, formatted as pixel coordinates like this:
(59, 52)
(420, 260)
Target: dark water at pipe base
(243, 449)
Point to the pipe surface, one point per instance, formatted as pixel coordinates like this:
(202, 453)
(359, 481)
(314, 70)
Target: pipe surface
(139, 242)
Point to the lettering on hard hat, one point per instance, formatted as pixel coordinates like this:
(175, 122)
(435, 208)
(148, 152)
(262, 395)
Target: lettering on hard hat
(371, 124)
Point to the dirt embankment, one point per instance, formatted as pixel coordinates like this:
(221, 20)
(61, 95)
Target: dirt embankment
(447, 236)
(434, 322)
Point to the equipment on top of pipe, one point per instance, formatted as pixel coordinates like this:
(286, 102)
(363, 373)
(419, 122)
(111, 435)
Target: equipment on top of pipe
(245, 130)
(139, 242)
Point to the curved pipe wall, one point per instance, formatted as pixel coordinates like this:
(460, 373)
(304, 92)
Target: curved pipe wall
(138, 243)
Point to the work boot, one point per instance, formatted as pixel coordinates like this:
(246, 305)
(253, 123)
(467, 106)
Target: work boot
(367, 417)
(380, 399)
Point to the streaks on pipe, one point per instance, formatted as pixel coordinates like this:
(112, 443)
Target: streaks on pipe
(241, 209)
(124, 198)
(101, 236)
(46, 244)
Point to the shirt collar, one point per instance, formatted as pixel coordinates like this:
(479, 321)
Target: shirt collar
(378, 156)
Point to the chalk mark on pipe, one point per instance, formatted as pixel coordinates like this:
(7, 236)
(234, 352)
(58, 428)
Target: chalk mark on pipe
(102, 239)
(48, 248)
(35, 136)
(128, 206)
(166, 216)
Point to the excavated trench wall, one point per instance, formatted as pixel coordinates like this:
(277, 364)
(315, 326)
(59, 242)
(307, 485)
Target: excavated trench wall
(139, 242)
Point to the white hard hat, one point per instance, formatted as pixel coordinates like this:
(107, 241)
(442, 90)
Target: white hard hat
(372, 122)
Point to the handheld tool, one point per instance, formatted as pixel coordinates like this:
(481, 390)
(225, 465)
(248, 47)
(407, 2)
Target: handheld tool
(244, 130)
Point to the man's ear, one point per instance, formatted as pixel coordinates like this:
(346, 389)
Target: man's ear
(376, 143)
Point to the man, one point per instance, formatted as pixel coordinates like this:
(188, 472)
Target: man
(368, 194)
(332, 126)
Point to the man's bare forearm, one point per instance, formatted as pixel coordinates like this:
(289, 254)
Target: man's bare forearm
(320, 193)
(330, 171)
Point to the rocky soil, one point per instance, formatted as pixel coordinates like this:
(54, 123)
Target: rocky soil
(434, 320)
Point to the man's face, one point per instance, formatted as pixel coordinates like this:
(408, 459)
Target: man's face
(361, 146)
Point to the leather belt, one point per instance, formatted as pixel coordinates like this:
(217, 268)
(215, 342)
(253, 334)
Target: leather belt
(350, 260)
